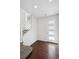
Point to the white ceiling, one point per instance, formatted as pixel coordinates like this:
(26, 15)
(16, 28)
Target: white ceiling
(45, 8)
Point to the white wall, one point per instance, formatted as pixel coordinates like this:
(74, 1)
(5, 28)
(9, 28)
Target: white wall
(31, 36)
(43, 28)
(22, 22)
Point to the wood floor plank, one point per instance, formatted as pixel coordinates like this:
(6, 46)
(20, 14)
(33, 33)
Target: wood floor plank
(44, 50)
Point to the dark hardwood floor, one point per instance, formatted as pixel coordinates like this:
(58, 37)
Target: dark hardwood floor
(44, 50)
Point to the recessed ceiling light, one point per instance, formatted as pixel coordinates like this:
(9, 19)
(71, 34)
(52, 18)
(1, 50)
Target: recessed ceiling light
(50, 0)
(35, 6)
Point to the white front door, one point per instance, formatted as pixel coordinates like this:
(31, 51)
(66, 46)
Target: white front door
(53, 29)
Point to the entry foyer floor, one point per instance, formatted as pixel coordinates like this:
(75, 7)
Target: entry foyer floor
(44, 50)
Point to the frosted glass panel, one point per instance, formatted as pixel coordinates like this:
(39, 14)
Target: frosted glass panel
(51, 28)
(51, 33)
(51, 38)
(51, 22)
